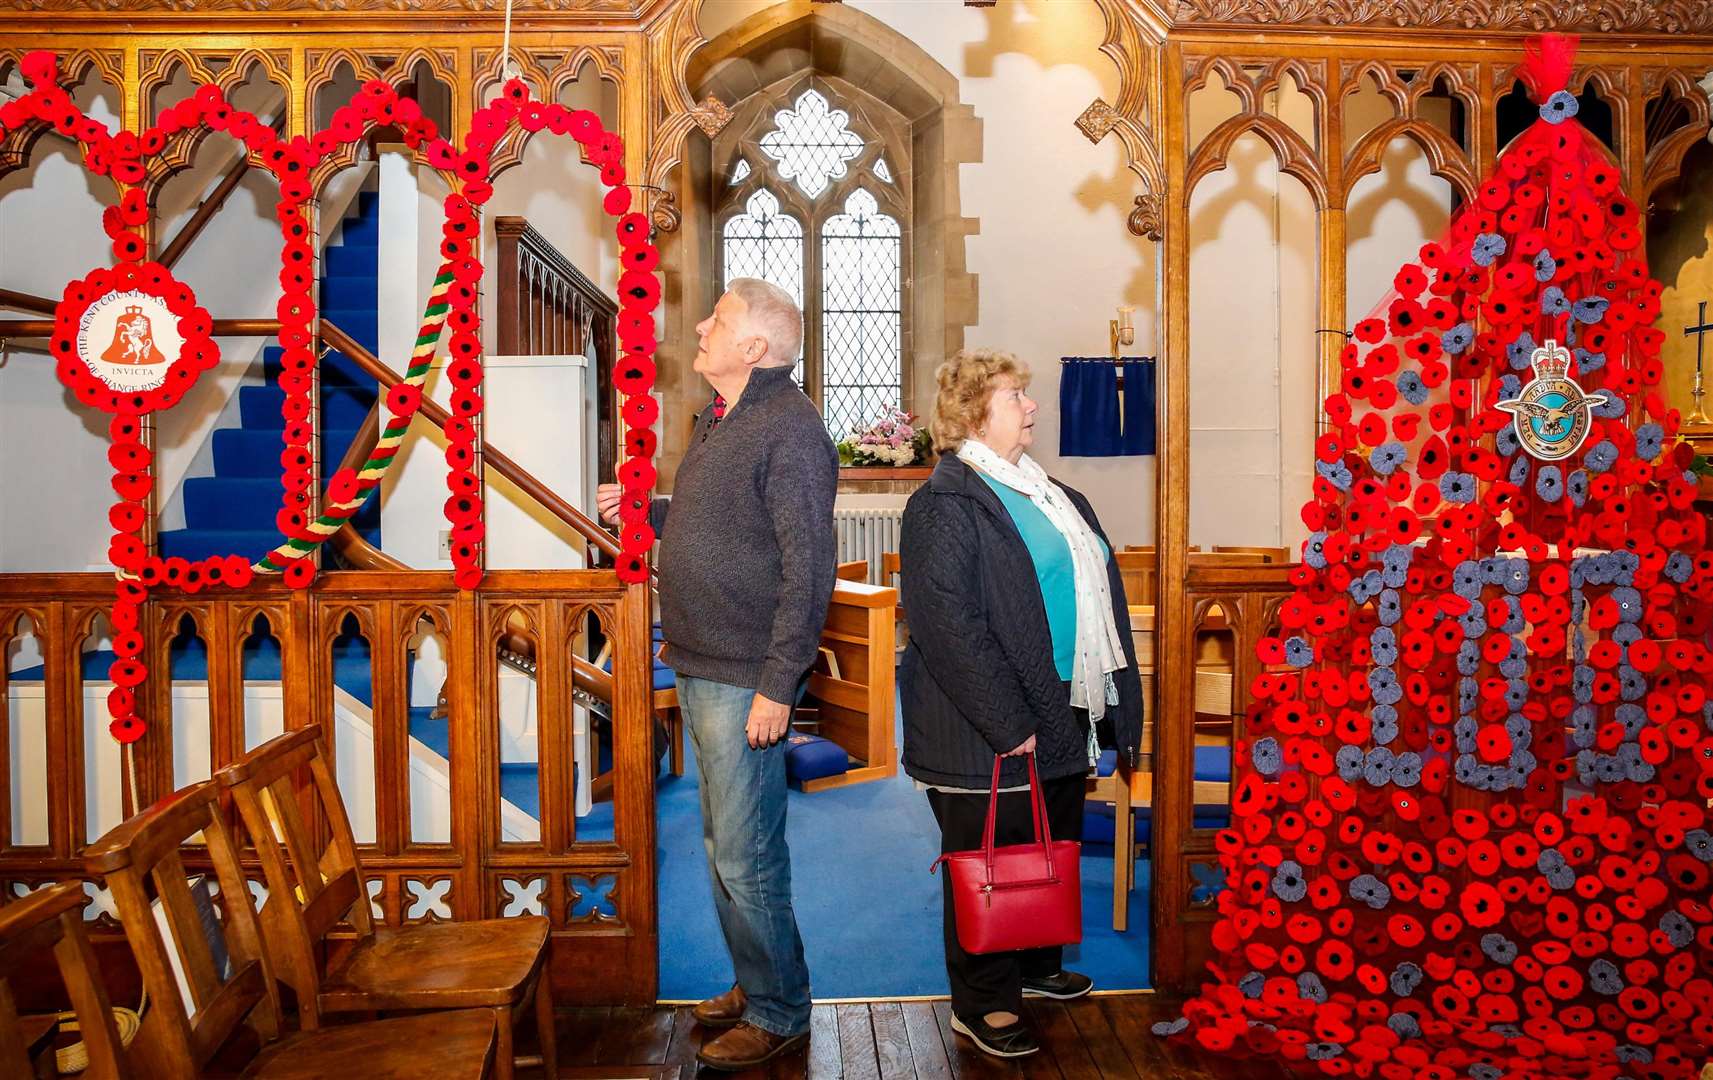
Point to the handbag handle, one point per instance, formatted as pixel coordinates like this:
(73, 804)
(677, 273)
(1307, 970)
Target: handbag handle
(1037, 808)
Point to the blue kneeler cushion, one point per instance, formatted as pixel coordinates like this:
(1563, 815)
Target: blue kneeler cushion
(810, 757)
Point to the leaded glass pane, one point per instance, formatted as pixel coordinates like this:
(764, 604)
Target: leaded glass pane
(882, 170)
(763, 243)
(812, 143)
(740, 173)
(861, 314)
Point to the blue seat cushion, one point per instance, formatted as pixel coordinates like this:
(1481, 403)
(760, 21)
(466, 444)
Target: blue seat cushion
(1099, 821)
(1213, 764)
(664, 677)
(810, 757)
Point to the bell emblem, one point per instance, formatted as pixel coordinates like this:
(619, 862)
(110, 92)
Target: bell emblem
(133, 340)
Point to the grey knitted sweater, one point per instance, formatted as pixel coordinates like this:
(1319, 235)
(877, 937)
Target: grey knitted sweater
(747, 550)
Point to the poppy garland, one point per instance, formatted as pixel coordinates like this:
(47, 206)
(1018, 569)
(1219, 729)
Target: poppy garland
(1470, 832)
(639, 295)
(137, 284)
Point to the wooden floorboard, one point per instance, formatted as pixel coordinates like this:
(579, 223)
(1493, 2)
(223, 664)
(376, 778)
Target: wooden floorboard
(1096, 1038)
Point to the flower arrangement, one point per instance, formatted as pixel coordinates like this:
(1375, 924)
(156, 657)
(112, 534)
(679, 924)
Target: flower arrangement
(893, 440)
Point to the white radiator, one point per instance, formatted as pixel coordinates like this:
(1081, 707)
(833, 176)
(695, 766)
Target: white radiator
(868, 533)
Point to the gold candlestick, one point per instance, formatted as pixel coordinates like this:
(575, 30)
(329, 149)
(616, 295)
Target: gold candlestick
(1698, 418)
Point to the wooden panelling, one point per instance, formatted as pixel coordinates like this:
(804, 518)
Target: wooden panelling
(608, 958)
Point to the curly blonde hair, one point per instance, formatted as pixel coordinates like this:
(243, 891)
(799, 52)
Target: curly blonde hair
(967, 382)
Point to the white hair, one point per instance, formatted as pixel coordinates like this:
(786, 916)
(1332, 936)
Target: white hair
(774, 314)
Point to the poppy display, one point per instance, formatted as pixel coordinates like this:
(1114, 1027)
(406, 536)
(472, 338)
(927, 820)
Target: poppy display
(1487, 694)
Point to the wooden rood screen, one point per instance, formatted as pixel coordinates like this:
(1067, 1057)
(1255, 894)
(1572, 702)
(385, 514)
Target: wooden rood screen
(598, 891)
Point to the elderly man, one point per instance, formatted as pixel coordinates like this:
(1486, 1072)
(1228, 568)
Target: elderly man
(746, 573)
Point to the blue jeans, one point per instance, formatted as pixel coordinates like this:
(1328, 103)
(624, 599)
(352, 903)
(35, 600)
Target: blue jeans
(749, 866)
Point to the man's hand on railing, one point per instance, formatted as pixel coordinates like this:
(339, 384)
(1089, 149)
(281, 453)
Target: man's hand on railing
(607, 500)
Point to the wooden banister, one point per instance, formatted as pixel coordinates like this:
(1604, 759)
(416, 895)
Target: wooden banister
(41, 328)
(26, 302)
(207, 208)
(505, 466)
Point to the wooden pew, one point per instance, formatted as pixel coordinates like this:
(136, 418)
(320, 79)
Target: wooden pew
(855, 686)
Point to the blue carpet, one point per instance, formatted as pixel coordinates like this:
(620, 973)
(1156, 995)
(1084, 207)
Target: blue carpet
(866, 905)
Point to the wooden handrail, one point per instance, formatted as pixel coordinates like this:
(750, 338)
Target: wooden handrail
(505, 466)
(587, 527)
(205, 211)
(26, 302)
(207, 208)
(41, 328)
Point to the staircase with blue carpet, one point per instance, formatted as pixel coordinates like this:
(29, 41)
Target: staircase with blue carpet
(233, 511)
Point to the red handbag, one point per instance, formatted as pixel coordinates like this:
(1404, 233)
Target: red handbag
(1022, 896)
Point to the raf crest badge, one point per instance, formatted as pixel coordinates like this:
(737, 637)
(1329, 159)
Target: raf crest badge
(1551, 414)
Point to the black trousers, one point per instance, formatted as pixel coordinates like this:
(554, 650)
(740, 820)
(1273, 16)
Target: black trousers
(993, 982)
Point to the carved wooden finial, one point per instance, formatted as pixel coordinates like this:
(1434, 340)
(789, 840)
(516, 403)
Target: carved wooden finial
(712, 115)
(1097, 120)
(1147, 218)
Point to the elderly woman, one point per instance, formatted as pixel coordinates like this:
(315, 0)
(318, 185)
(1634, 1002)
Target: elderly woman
(1019, 644)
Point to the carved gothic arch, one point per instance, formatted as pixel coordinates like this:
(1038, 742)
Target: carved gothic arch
(1663, 163)
(1445, 157)
(1294, 155)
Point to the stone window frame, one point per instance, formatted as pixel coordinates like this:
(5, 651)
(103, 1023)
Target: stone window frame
(886, 134)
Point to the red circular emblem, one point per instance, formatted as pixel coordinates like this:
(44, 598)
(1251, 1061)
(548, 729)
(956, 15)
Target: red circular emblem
(131, 343)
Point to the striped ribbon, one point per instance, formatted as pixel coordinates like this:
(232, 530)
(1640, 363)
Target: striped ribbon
(334, 515)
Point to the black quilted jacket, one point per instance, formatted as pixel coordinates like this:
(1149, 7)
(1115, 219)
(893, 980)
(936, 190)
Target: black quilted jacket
(978, 677)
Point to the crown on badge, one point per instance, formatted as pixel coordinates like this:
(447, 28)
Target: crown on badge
(1551, 361)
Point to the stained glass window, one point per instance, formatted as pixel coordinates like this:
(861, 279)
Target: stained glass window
(812, 142)
(762, 242)
(861, 314)
(882, 170)
(741, 172)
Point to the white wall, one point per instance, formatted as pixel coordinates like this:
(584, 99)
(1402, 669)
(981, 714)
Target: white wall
(1053, 255)
(1252, 308)
(54, 490)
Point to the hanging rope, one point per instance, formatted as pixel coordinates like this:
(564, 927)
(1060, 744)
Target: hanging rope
(508, 66)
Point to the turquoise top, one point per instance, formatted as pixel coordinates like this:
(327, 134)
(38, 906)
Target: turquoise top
(1052, 557)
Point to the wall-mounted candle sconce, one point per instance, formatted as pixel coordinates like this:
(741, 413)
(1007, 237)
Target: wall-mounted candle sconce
(1123, 328)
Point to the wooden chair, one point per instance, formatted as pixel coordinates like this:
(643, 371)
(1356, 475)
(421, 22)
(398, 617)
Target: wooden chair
(1115, 789)
(855, 686)
(51, 918)
(852, 571)
(142, 855)
(891, 574)
(1140, 573)
(492, 964)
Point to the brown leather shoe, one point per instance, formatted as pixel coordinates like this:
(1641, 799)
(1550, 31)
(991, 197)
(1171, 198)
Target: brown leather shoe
(746, 1046)
(722, 1012)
